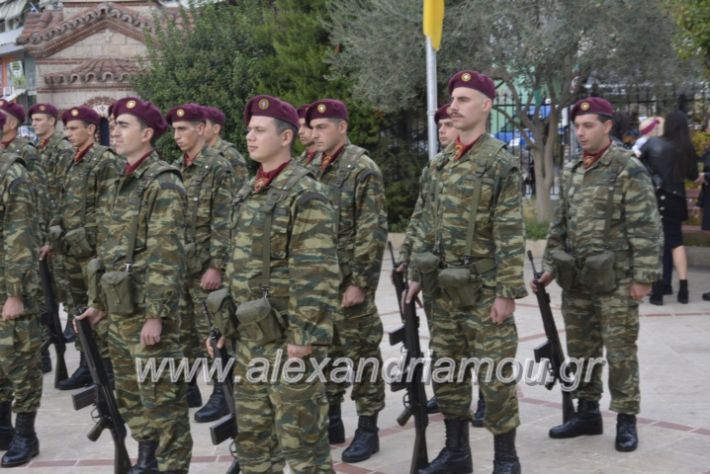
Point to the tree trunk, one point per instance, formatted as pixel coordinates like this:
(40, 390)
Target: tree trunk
(543, 154)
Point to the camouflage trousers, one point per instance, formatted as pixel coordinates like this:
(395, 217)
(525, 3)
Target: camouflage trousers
(594, 322)
(357, 337)
(155, 409)
(194, 327)
(470, 334)
(20, 368)
(280, 420)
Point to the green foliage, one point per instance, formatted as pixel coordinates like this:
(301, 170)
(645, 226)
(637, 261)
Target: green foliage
(693, 18)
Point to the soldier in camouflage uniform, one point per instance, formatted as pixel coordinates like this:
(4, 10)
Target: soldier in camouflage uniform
(214, 122)
(604, 249)
(210, 188)
(283, 276)
(137, 280)
(354, 184)
(74, 230)
(472, 239)
(305, 136)
(20, 332)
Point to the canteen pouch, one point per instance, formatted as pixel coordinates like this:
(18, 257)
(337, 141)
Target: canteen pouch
(598, 274)
(194, 264)
(54, 235)
(221, 308)
(117, 288)
(427, 264)
(565, 268)
(77, 243)
(459, 287)
(94, 271)
(259, 322)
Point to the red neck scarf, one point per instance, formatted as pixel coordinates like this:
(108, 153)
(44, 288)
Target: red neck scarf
(327, 160)
(130, 168)
(462, 149)
(590, 158)
(264, 178)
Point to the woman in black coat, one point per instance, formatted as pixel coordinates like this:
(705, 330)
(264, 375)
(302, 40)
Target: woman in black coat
(704, 198)
(671, 159)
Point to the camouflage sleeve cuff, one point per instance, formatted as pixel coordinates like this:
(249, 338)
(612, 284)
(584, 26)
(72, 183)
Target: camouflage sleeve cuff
(645, 276)
(14, 289)
(217, 264)
(157, 310)
(358, 281)
(300, 337)
(513, 292)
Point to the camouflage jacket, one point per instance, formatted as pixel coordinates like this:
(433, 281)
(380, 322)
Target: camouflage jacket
(240, 171)
(635, 233)
(423, 204)
(19, 239)
(159, 256)
(56, 154)
(303, 280)
(210, 190)
(84, 190)
(499, 228)
(354, 184)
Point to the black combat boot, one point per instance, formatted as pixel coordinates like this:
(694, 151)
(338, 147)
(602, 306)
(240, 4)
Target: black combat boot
(46, 361)
(69, 333)
(656, 293)
(24, 445)
(667, 289)
(683, 292)
(455, 458)
(506, 459)
(366, 441)
(336, 430)
(480, 414)
(626, 437)
(216, 406)
(432, 406)
(146, 463)
(80, 378)
(586, 421)
(194, 398)
(6, 429)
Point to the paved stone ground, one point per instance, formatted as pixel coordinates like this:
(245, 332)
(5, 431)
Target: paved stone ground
(674, 426)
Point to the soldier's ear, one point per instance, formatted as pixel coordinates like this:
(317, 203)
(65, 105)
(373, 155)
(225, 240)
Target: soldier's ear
(343, 126)
(148, 134)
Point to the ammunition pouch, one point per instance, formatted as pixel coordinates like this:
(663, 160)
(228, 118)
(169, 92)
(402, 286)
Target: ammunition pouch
(54, 235)
(259, 322)
(427, 264)
(458, 286)
(598, 274)
(117, 289)
(76, 243)
(94, 272)
(565, 268)
(221, 307)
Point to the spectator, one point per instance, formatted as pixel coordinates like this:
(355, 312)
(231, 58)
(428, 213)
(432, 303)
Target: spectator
(649, 127)
(671, 159)
(704, 180)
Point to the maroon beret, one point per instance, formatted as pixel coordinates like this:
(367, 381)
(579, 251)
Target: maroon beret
(268, 106)
(48, 109)
(213, 114)
(442, 112)
(473, 80)
(302, 111)
(83, 113)
(13, 109)
(327, 108)
(3, 119)
(145, 111)
(592, 105)
(190, 112)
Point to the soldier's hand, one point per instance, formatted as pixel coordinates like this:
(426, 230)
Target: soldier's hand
(412, 291)
(95, 315)
(545, 279)
(208, 343)
(502, 309)
(13, 308)
(298, 352)
(353, 296)
(401, 268)
(211, 280)
(150, 334)
(44, 251)
(639, 291)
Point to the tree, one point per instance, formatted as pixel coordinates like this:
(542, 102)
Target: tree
(539, 51)
(693, 18)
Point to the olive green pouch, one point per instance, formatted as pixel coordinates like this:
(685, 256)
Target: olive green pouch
(565, 268)
(77, 243)
(117, 288)
(54, 235)
(94, 272)
(221, 307)
(598, 274)
(428, 265)
(259, 322)
(459, 287)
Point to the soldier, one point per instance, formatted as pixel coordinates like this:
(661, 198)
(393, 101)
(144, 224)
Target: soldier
(213, 130)
(305, 136)
(283, 275)
(74, 231)
(20, 332)
(354, 183)
(142, 259)
(604, 249)
(209, 183)
(473, 240)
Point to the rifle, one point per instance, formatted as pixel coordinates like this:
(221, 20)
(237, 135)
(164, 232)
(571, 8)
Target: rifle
(50, 318)
(101, 396)
(411, 378)
(551, 349)
(226, 427)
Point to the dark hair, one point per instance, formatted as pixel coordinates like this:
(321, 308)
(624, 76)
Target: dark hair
(676, 131)
(143, 126)
(622, 124)
(282, 126)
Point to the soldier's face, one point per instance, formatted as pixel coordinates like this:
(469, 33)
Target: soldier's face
(447, 132)
(328, 134)
(10, 123)
(129, 136)
(264, 142)
(305, 133)
(187, 134)
(469, 108)
(78, 133)
(592, 133)
(42, 124)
